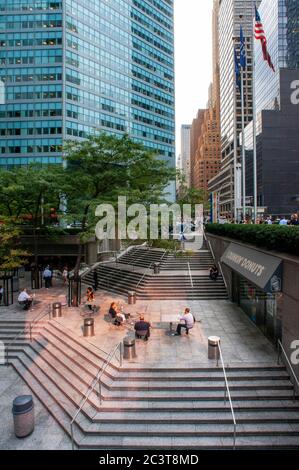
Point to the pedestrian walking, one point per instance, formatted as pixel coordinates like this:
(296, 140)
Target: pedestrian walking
(47, 276)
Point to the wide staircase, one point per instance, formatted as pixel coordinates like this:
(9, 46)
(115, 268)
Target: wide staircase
(182, 276)
(152, 408)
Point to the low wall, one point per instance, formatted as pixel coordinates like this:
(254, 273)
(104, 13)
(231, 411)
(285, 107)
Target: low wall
(288, 303)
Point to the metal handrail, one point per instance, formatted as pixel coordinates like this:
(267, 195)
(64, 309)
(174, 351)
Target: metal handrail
(95, 266)
(281, 348)
(213, 254)
(164, 254)
(112, 274)
(133, 268)
(190, 274)
(36, 319)
(227, 393)
(94, 382)
(143, 275)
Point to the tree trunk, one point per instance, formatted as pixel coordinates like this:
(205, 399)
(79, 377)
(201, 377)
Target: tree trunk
(35, 272)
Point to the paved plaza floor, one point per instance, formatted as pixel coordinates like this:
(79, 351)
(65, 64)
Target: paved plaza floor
(241, 341)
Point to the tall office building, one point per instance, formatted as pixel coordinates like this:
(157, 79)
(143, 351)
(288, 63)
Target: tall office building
(206, 163)
(74, 67)
(195, 133)
(277, 132)
(232, 14)
(185, 152)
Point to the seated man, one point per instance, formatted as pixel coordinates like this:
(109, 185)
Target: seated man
(142, 328)
(25, 299)
(188, 320)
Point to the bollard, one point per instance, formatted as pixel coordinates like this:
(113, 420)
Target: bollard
(88, 327)
(131, 297)
(56, 310)
(129, 348)
(156, 268)
(213, 350)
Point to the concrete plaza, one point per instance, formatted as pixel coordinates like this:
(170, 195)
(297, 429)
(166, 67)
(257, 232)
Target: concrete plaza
(241, 341)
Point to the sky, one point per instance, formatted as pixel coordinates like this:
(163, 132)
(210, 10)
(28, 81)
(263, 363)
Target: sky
(193, 59)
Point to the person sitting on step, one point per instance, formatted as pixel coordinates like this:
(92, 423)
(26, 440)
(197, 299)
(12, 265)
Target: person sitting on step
(214, 273)
(25, 299)
(187, 322)
(142, 328)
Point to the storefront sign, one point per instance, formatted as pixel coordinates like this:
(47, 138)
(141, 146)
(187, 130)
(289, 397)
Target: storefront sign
(263, 270)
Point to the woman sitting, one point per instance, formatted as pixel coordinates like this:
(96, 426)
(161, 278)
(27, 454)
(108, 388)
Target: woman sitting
(116, 315)
(90, 298)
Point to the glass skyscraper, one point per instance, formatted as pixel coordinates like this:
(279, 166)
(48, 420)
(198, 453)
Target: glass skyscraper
(232, 14)
(277, 160)
(281, 23)
(74, 67)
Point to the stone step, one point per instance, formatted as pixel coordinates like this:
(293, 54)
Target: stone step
(42, 394)
(60, 388)
(86, 350)
(186, 377)
(234, 368)
(203, 386)
(69, 368)
(178, 407)
(200, 395)
(197, 417)
(185, 443)
(199, 429)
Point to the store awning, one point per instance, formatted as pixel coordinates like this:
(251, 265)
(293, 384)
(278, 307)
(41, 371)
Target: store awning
(265, 271)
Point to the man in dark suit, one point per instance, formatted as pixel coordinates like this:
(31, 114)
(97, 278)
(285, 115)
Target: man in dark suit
(142, 328)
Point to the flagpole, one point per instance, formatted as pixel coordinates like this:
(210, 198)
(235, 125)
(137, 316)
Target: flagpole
(255, 204)
(235, 153)
(243, 146)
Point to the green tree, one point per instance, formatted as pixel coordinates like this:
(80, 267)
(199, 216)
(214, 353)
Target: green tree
(103, 167)
(11, 255)
(27, 194)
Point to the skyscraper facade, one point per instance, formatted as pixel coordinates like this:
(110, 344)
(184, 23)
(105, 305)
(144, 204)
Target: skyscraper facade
(185, 152)
(277, 159)
(196, 130)
(72, 68)
(232, 14)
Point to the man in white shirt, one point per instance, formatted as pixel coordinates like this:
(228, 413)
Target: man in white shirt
(283, 221)
(25, 299)
(188, 322)
(47, 275)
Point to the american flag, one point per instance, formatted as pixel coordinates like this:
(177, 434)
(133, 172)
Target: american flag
(261, 36)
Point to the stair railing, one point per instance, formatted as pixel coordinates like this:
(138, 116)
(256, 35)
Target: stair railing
(45, 312)
(190, 275)
(146, 271)
(213, 254)
(282, 350)
(96, 381)
(228, 395)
